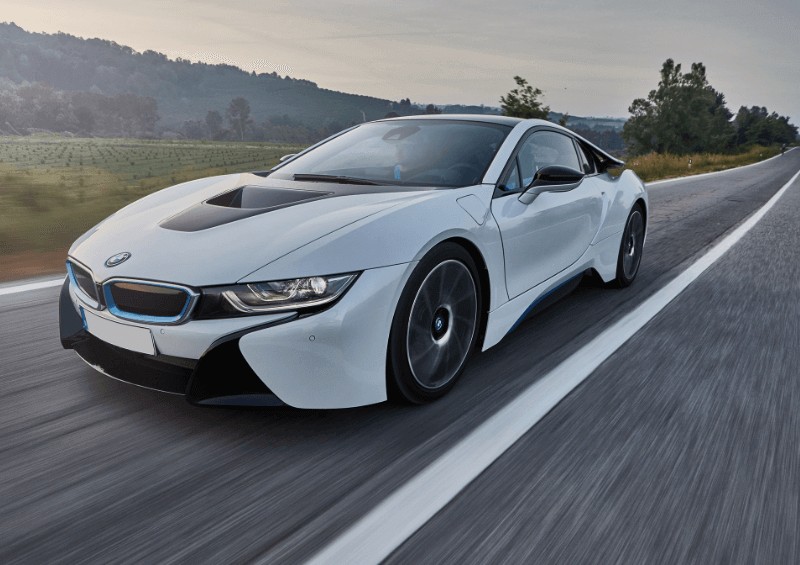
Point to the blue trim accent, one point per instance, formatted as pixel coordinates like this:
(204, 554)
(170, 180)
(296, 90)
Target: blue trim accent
(538, 301)
(116, 311)
(71, 274)
(83, 318)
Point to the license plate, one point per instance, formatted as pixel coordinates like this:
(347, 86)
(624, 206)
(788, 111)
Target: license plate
(132, 338)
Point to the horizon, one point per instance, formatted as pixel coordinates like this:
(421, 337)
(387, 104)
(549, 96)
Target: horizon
(584, 61)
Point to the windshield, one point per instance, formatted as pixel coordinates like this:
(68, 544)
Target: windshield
(446, 153)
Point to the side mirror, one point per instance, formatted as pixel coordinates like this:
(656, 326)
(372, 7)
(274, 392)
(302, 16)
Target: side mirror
(286, 157)
(554, 178)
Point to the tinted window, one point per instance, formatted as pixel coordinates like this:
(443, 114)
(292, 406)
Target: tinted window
(406, 152)
(527, 161)
(552, 148)
(512, 181)
(585, 159)
(545, 148)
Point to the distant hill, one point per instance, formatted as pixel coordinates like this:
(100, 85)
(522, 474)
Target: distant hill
(591, 123)
(59, 82)
(182, 90)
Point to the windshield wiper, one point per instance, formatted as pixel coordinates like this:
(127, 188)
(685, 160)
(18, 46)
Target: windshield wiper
(333, 178)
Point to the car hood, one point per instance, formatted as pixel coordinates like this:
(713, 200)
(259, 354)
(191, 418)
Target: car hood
(218, 230)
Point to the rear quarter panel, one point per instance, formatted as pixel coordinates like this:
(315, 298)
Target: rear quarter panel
(622, 192)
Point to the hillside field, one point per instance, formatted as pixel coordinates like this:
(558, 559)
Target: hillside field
(52, 189)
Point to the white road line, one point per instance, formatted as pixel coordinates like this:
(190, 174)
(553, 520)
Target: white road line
(30, 286)
(701, 175)
(372, 538)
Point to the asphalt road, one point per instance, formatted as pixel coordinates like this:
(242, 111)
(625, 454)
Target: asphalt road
(684, 446)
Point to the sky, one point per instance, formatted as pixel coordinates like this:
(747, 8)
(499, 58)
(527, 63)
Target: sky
(590, 57)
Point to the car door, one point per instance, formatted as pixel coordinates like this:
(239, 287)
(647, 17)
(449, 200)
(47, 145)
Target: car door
(548, 235)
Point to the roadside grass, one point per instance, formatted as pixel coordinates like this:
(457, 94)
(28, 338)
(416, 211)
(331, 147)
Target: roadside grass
(654, 166)
(52, 189)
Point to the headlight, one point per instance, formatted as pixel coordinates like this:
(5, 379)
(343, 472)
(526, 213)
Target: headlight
(273, 296)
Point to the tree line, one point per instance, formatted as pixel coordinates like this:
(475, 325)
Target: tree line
(30, 107)
(685, 114)
(237, 123)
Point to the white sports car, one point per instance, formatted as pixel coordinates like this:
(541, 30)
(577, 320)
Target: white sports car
(368, 266)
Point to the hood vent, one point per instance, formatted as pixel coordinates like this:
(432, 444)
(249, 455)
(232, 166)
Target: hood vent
(237, 204)
(261, 197)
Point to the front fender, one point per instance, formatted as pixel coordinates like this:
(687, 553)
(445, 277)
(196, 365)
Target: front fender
(399, 235)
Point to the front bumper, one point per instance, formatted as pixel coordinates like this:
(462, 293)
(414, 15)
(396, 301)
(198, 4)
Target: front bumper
(219, 376)
(331, 359)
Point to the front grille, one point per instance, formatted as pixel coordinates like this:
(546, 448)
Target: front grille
(147, 301)
(84, 280)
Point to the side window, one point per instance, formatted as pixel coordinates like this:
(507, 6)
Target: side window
(545, 148)
(512, 181)
(542, 149)
(551, 148)
(585, 159)
(527, 161)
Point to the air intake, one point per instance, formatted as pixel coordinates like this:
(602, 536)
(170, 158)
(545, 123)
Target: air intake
(148, 302)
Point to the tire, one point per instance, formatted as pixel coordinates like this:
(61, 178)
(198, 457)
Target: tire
(631, 248)
(435, 327)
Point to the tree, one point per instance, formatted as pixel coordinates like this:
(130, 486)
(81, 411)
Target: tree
(431, 109)
(523, 101)
(329, 127)
(43, 107)
(136, 116)
(757, 125)
(403, 108)
(685, 114)
(85, 119)
(193, 129)
(213, 124)
(238, 114)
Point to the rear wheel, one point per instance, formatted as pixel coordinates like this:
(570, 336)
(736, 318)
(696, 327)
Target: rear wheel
(631, 247)
(435, 326)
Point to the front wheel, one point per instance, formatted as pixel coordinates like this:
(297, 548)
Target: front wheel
(630, 249)
(435, 326)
